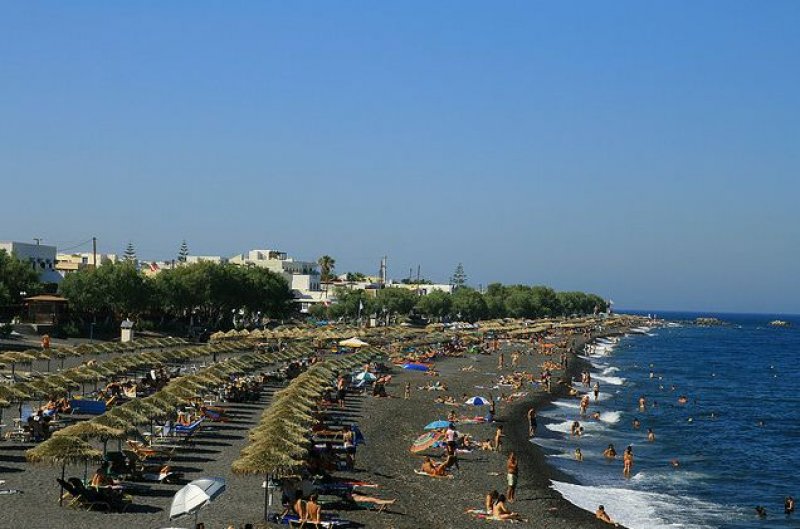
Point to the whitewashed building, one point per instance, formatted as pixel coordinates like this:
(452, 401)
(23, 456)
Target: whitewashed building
(41, 258)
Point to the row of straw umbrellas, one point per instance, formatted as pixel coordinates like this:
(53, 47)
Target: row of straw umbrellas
(77, 377)
(72, 444)
(279, 444)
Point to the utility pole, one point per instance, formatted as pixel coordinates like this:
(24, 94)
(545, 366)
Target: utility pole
(94, 252)
(418, 266)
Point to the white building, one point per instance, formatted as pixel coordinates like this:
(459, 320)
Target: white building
(303, 277)
(216, 259)
(71, 262)
(41, 258)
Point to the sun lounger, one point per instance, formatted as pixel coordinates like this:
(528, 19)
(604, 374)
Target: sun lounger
(87, 406)
(329, 523)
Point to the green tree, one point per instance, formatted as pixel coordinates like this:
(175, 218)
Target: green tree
(437, 304)
(355, 276)
(468, 305)
(459, 278)
(326, 266)
(183, 252)
(394, 301)
(16, 277)
(130, 252)
(348, 301)
(495, 298)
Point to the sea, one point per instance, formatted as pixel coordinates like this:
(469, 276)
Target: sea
(733, 445)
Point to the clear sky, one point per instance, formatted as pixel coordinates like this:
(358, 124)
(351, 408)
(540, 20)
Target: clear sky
(645, 151)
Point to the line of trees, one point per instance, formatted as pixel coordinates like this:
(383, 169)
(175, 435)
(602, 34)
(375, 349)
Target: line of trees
(202, 294)
(465, 304)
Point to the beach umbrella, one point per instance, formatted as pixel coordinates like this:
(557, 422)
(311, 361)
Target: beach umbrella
(194, 496)
(415, 367)
(426, 440)
(63, 450)
(268, 463)
(92, 430)
(478, 401)
(353, 342)
(437, 425)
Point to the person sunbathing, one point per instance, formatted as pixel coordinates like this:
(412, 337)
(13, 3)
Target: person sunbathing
(313, 513)
(490, 500)
(378, 502)
(430, 467)
(501, 511)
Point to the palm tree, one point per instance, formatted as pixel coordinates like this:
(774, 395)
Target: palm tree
(326, 265)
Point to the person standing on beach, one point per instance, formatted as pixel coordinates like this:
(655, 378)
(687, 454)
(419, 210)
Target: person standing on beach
(498, 437)
(341, 390)
(407, 392)
(512, 468)
(627, 461)
(532, 422)
(501, 360)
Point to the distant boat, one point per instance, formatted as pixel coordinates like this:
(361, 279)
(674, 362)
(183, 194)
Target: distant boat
(779, 323)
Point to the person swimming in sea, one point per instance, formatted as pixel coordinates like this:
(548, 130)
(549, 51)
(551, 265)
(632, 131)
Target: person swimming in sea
(788, 505)
(636, 423)
(610, 452)
(596, 391)
(761, 512)
(578, 455)
(642, 403)
(650, 435)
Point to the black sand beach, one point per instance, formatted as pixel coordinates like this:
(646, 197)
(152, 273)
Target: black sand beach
(389, 424)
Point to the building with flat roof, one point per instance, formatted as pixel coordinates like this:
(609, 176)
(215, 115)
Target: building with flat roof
(41, 257)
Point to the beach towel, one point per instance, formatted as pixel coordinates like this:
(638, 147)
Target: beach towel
(329, 523)
(421, 473)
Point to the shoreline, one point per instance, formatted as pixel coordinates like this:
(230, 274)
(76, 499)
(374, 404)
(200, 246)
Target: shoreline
(391, 424)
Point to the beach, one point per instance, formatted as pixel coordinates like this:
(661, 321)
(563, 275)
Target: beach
(389, 425)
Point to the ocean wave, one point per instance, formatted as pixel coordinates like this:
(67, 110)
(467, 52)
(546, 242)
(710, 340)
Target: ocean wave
(609, 370)
(611, 417)
(644, 510)
(614, 381)
(566, 426)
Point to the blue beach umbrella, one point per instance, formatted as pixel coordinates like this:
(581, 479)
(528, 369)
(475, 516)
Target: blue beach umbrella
(478, 401)
(415, 367)
(437, 425)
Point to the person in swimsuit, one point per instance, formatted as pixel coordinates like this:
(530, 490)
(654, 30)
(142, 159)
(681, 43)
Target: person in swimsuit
(532, 422)
(602, 515)
(512, 468)
(610, 452)
(490, 500)
(788, 505)
(578, 455)
(650, 435)
(627, 461)
(501, 511)
(596, 391)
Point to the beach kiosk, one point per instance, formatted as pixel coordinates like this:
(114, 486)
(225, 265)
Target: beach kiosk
(126, 331)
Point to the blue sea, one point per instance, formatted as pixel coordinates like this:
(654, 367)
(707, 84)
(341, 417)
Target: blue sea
(735, 440)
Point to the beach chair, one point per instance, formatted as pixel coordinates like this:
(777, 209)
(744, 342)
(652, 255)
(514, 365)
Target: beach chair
(87, 406)
(82, 496)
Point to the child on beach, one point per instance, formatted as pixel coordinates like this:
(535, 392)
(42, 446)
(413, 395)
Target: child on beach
(407, 392)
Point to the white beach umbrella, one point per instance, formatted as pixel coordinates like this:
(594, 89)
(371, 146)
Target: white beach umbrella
(353, 342)
(196, 495)
(366, 376)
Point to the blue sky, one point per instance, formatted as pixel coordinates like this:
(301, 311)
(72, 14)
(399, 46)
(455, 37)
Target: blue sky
(646, 151)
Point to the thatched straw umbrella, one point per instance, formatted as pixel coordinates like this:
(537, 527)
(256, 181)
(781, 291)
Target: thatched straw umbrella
(63, 450)
(268, 463)
(93, 430)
